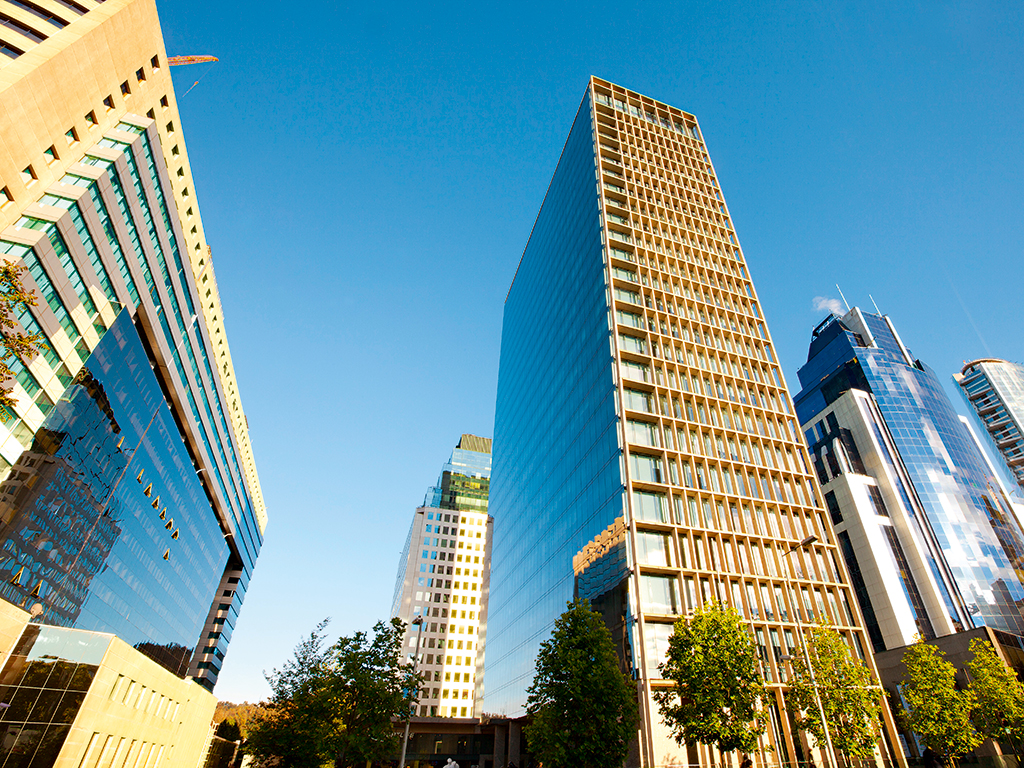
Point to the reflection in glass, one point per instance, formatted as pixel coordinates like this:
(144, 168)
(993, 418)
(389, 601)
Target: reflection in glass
(48, 679)
(104, 524)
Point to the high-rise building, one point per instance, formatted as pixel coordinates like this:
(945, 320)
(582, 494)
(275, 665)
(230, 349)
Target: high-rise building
(443, 582)
(926, 526)
(646, 453)
(995, 391)
(131, 515)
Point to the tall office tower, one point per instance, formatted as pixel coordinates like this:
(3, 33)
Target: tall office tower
(646, 455)
(130, 509)
(444, 579)
(995, 391)
(926, 527)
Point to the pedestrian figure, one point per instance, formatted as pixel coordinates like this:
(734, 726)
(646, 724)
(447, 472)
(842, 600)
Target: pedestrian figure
(932, 759)
(747, 762)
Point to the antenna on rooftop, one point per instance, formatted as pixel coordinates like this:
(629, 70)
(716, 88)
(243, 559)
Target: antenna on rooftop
(844, 298)
(877, 310)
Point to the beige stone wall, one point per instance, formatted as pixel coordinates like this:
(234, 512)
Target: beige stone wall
(138, 714)
(12, 622)
(64, 93)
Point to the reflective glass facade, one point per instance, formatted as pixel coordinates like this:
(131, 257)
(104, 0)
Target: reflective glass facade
(105, 523)
(994, 389)
(646, 454)
(966, 510)
(464, 483)
(131, 514)
(556, 481)
(106, 236)
(45, 681)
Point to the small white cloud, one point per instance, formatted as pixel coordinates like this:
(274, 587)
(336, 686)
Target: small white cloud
(825, 304)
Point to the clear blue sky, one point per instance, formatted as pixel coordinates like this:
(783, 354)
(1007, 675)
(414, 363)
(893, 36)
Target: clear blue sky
(368, 176)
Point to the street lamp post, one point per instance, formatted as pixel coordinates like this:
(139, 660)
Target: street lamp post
(415, 665)
(830, 755)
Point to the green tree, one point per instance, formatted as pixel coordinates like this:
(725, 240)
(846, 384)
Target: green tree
(335, 704)
(294, 728)
(718, 686)
(583, 708)
(936, 711)
(851, 698)
(1000, 711)
(14, 343)
(370, 685)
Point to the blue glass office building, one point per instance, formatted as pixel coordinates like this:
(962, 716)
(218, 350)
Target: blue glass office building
(125, 507)
(977, 545)
(646, 455)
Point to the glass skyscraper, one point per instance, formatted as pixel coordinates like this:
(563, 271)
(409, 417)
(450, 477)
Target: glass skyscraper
(994, 389)
(946, 506)
(444, 579)
(131, 515)
(646, 452)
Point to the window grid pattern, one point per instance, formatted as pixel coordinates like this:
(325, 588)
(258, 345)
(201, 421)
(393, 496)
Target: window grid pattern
(714, 460)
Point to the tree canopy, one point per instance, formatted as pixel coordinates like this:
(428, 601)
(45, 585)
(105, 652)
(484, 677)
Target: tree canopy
(335, 703)
(850, 696)
(1000, 697)
(718, 690)
(583, 708)
(936, 711)
(14, 343)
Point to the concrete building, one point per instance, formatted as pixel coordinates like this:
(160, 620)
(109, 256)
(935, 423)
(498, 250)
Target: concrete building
(131, 515)
(443, 581)
(646, 450)
(926, 527)
(994, 389)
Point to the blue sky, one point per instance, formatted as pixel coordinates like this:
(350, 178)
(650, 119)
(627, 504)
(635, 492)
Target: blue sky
(368, 176)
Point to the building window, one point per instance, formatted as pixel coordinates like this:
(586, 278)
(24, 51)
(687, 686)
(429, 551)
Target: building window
(877, 502)
(833, 508)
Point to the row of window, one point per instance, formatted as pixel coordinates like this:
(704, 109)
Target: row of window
(743, 422)
(52, 155)
(695, 551)
(676, 123)
(450, 556)
(126, 752)
(732, 296)
(132, 694)
(660, 594)
(679, 228)
(710, 339)
(756, 520)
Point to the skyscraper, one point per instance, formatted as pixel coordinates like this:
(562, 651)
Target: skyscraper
(646, 453)
(995, 391)
(130, 507)
(926, 527)
(443, 580)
